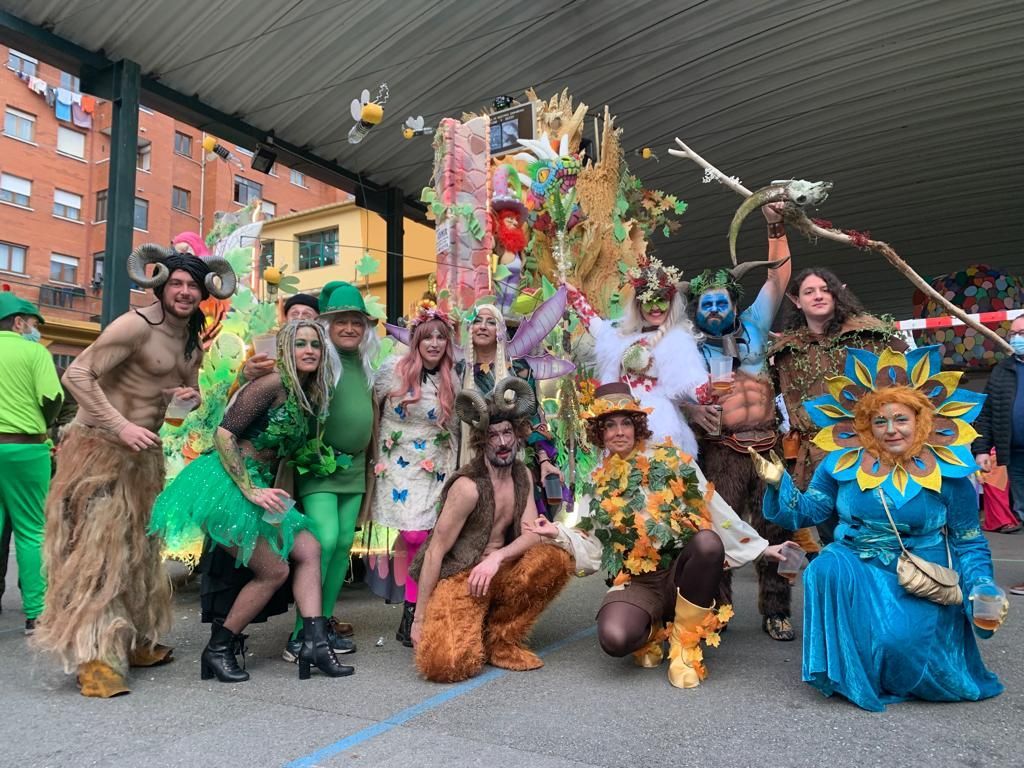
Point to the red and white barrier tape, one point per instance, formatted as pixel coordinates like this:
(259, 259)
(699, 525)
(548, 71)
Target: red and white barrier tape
(988, 318)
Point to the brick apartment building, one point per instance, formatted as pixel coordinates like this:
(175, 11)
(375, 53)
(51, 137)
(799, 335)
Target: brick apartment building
(54, 154)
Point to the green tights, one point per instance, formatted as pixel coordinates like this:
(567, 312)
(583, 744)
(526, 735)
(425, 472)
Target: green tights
(332, 519)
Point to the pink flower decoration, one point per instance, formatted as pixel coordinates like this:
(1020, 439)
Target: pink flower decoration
(427, 464)
(379, 468)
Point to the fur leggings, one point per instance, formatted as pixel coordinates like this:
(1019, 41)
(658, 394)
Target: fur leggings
(460, 631)
(735, 479)
(108, 591)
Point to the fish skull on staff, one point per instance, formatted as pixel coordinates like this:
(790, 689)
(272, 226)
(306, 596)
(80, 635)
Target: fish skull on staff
(797, 193)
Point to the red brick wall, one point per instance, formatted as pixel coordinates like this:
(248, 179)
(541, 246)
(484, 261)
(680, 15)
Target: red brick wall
(44, 234)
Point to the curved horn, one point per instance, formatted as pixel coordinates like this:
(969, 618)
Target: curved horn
(741, 270)
(150, 253)
(219, 267)
(769, 194)
(472, 409)
(514, 398)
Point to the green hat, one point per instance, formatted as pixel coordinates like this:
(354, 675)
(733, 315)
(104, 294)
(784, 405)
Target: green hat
(13, 305)
(339, 296)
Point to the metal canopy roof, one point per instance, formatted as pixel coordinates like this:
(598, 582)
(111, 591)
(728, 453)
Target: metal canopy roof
(912, 107)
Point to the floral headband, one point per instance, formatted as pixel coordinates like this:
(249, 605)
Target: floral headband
(428, 310)
(652, 280)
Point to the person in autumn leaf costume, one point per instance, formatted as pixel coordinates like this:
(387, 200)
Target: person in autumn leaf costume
(662, 539)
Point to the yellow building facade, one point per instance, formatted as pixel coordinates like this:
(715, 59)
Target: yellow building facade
(323, 244)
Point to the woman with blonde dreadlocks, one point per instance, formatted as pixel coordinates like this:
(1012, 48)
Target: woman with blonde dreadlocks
(229, 495)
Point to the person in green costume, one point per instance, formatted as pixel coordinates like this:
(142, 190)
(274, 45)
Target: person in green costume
(30, 400)
(334, 505)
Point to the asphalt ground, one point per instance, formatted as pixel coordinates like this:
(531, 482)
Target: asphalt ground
(582, 709)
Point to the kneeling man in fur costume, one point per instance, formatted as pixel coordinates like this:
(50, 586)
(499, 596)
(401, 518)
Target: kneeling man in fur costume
(109, 597)
(483, 578)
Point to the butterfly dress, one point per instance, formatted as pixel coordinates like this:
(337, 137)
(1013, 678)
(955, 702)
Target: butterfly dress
(416, 454)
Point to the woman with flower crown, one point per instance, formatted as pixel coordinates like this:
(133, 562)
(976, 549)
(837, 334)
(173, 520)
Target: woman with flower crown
(417, 450)
(652, 349)
(897, 433)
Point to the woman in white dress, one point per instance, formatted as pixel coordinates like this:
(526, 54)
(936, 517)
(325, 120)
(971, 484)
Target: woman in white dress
(416, 391)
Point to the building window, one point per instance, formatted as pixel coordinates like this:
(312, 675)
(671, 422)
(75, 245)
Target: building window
(62, 363)
(267, 253)
(273, 170)
(243, 151)
(70, 142)
(318, 249)
(298, 179)
(143, 156)
(97, 270)
(67, 205)
(141, 220)
(12, 257)
(269, 209)
(14, 189)
(21, 62)
(20, 125)
(183, 144)
(59, 295)
(181, 199)
(101, 206)
(246, 191)
(63, 269)
(70, 82)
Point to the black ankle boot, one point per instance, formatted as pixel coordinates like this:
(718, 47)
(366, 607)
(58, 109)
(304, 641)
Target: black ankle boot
(218, 659)
(317, 652)
(404, 633)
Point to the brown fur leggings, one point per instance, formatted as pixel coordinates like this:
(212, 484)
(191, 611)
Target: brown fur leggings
(459, 629)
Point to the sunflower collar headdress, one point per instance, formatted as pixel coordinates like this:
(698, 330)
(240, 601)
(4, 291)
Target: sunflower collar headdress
(943, 450)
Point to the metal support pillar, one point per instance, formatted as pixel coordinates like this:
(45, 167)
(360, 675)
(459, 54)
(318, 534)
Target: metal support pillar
(394, 221)
(124, 141)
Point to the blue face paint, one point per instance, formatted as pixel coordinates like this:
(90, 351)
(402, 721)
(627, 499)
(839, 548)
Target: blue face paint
(715, 312)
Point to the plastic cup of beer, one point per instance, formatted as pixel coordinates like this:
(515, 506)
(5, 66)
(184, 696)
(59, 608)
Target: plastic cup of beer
(721, 374)
(275, 518)
(178, 409)
(794, 561)
(988, 601)
(552, 489)
(265, 344)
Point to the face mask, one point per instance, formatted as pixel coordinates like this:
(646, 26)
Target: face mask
(1017, 343)
(32, 334)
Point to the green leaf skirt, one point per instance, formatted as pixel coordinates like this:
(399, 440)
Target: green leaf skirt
(203, 499)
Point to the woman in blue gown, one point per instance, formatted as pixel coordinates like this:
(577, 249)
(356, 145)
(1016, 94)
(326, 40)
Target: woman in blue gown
(897, 433)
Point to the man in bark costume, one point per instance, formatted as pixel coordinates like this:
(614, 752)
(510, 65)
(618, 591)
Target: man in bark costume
(109, 598)
(744, 416)
(483, 577)
(821, 320)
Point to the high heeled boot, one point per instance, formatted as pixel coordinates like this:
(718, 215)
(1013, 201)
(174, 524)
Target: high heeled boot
(404, 633)
(316, 651)
(685, 656)
(218, 659)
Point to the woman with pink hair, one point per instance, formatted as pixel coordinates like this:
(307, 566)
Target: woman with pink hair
(416, 391)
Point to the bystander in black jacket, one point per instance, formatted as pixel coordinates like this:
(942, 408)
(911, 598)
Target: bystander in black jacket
(993, 424)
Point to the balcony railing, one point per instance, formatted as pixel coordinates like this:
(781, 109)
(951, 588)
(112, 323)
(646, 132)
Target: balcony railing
(67, 301)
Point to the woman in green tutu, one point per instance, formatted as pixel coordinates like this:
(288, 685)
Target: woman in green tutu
(229, 495)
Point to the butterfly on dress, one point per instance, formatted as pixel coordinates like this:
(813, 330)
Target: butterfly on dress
(397, 495)
(420, 445)
(440, 476)
(400, 410)
(432, 414)
(401, 462)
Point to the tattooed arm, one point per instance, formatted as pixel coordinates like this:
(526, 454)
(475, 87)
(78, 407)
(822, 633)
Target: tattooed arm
(251, 402)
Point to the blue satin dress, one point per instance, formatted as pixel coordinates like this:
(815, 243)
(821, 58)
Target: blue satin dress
(865, 637)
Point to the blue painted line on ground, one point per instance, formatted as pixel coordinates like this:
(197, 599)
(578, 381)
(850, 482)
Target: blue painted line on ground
(407, 714)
